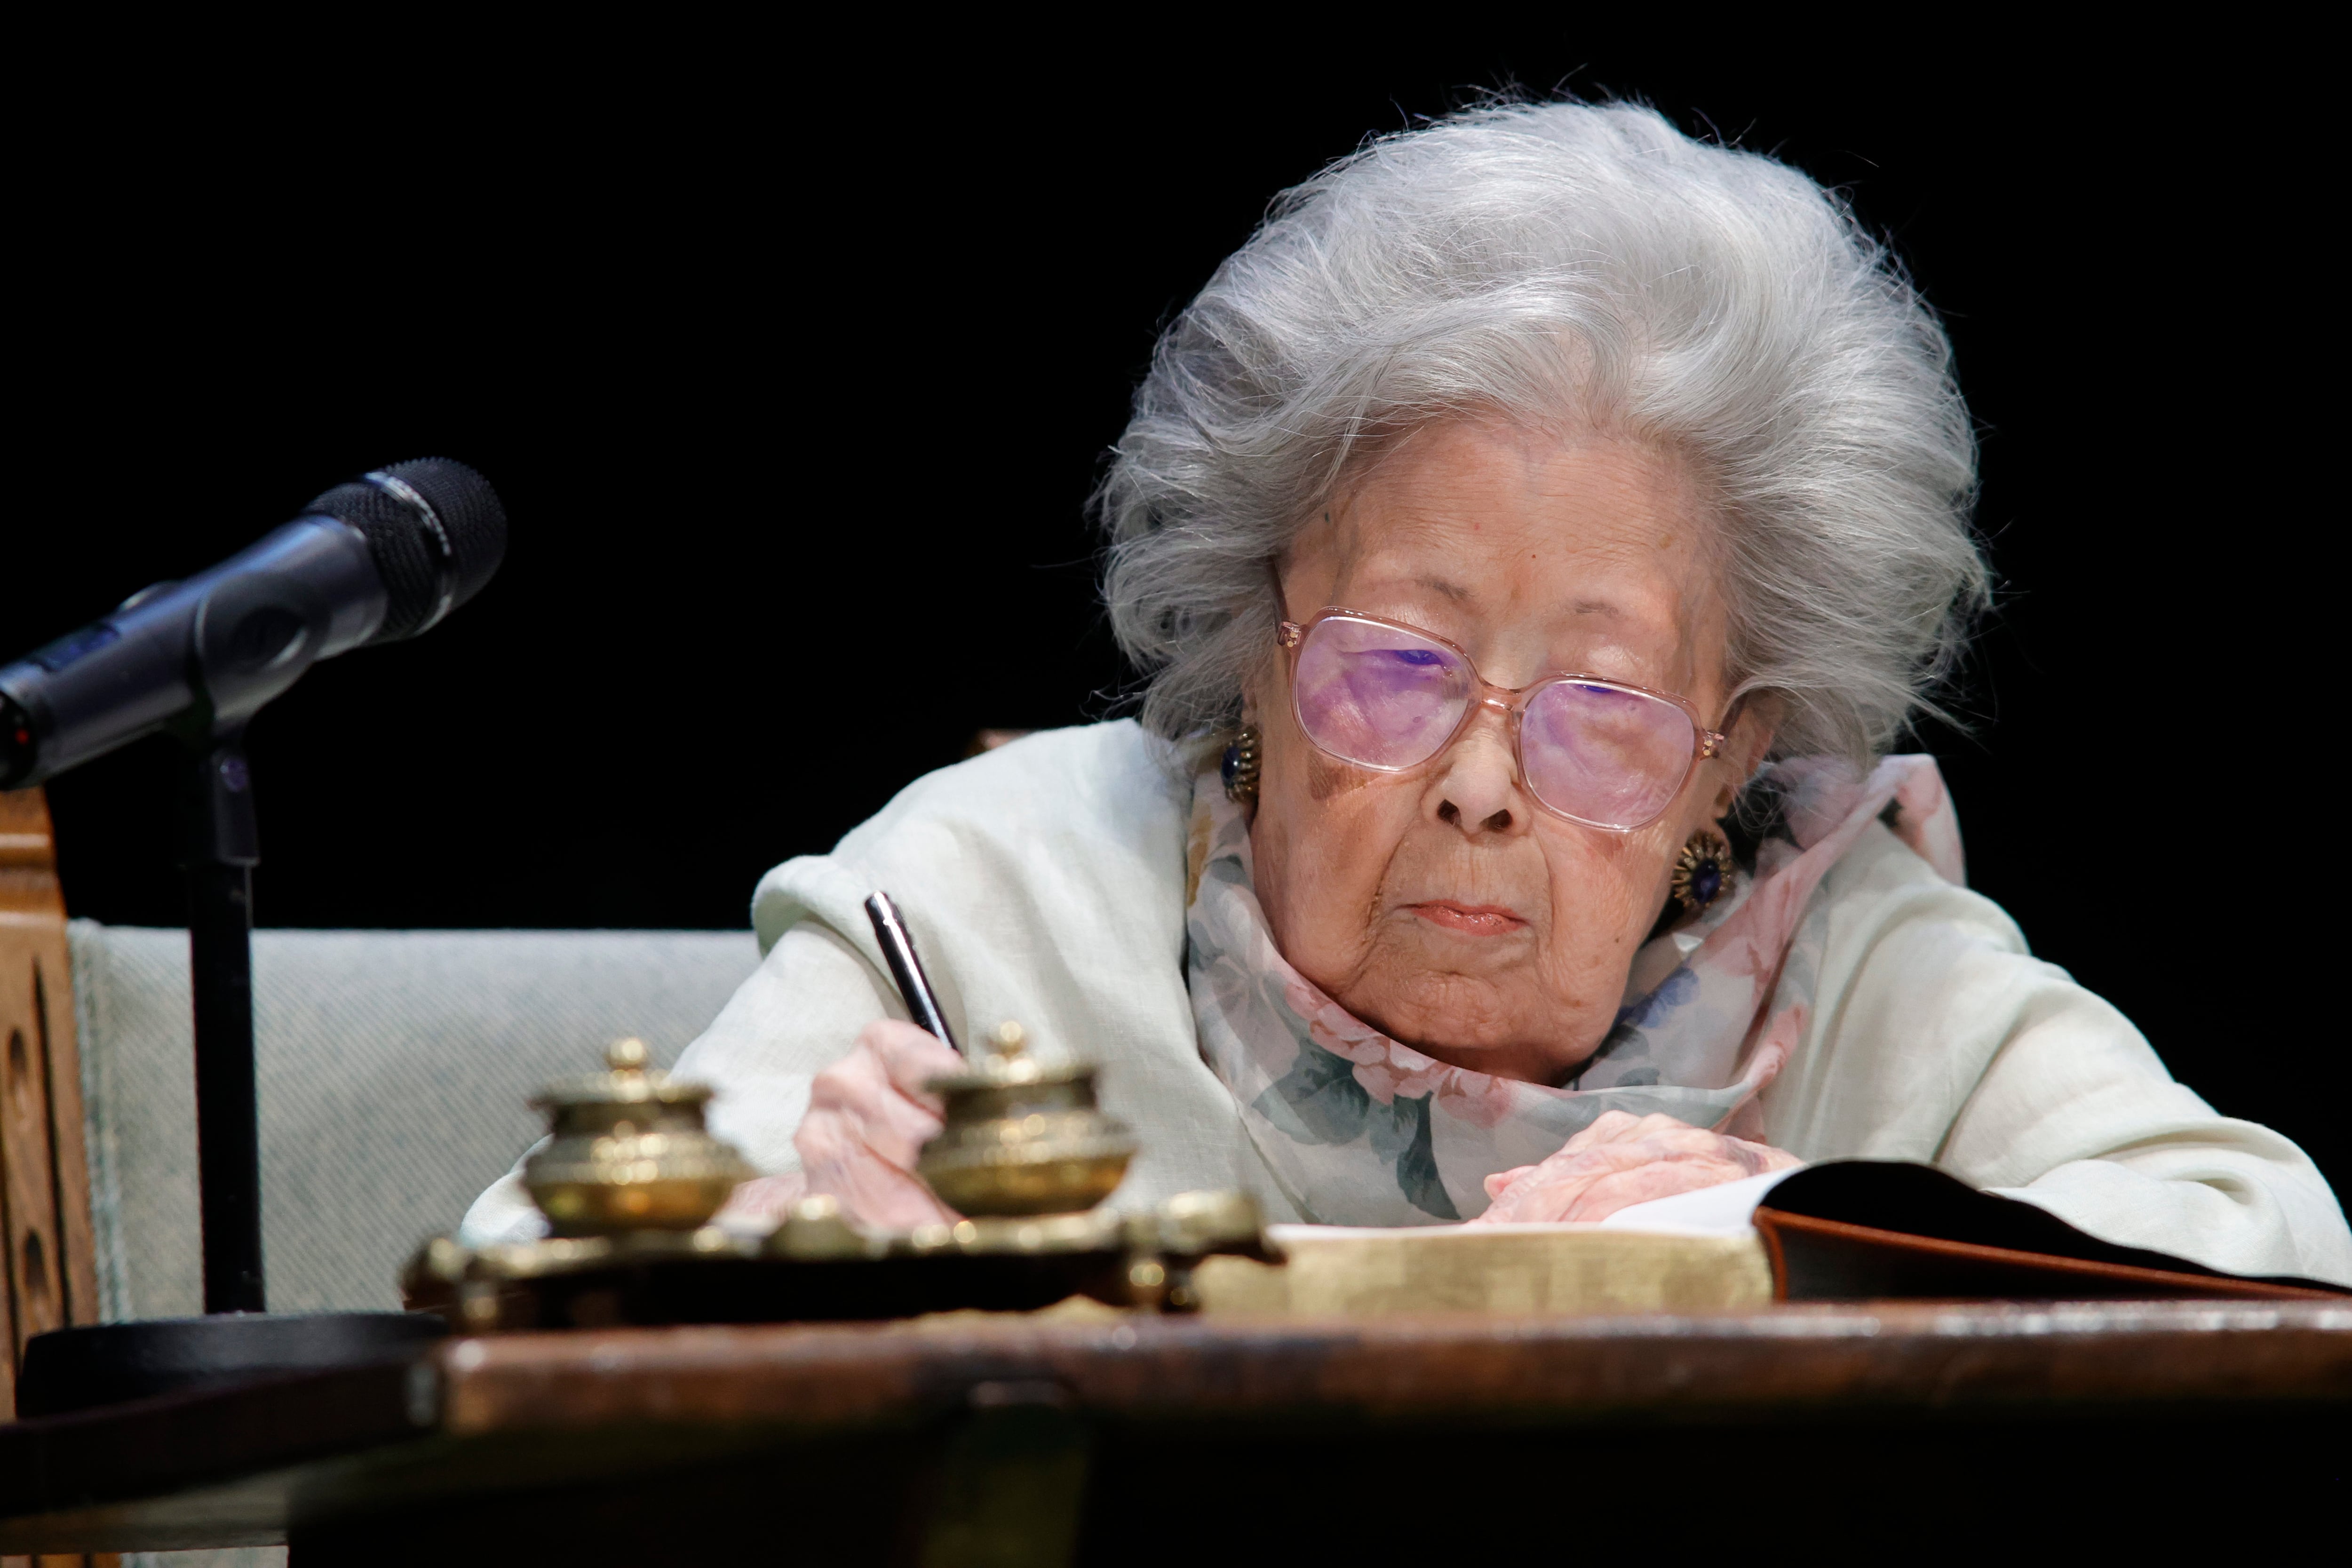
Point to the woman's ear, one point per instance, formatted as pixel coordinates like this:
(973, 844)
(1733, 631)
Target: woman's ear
(1725, 797)
(1253, 691)
(1745, 748)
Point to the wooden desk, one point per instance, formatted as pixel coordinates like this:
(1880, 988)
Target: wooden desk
(1004, 1440)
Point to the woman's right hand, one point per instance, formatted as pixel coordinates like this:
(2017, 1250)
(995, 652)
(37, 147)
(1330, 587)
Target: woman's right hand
(869, 1118)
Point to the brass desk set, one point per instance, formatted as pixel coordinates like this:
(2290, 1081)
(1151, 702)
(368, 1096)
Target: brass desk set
(632, 1177)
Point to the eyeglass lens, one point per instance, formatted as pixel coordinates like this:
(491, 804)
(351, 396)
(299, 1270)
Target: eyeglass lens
(1385, 698)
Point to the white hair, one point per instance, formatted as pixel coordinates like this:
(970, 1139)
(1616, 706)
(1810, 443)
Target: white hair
(1561, 261)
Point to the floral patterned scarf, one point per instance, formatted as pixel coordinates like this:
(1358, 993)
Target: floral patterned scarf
(1360, 1130)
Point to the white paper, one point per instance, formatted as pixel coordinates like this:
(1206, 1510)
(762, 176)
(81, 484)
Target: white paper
(1724, 1210)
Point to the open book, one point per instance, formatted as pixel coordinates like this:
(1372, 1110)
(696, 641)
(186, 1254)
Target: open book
(1842, 1231)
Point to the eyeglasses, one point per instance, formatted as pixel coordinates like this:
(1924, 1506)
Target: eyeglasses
(1386, 696)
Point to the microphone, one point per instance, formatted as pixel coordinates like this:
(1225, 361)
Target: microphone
(382, 558)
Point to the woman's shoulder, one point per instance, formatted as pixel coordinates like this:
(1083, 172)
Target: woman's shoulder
(1882, 882)
(1917, 983)
(1054, 824)
(1111, 781)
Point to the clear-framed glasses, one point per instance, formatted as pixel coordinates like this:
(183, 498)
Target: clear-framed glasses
(1386, 696)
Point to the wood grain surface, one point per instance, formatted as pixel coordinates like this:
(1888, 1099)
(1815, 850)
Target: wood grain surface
(48, 1279)
(1564, 1368)
(50, 1274)
(643, 1412)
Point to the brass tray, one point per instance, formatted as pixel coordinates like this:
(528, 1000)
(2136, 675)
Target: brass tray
(816, 1266)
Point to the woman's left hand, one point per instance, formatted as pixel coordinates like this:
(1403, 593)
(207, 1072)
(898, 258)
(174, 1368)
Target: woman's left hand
(1622, 1159)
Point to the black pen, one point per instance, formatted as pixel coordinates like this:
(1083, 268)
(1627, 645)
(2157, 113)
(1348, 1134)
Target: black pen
(914, 986)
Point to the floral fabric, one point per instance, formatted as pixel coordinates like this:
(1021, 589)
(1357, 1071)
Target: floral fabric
(1360, 1130)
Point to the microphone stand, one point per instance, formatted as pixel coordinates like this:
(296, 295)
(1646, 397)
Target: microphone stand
(219, 846)
(80, 1368)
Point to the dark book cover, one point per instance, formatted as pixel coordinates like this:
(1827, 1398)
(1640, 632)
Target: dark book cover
(1852, 1230)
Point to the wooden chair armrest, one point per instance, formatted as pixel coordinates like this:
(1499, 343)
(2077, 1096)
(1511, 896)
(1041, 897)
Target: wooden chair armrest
(44, 1164)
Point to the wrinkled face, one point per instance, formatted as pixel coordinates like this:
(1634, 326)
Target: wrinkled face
(1441, 904)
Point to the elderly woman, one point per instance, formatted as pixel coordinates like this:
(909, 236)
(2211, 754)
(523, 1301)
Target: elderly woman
(1536, 536)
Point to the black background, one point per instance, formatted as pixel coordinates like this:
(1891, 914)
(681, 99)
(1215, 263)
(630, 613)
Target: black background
(794, 360)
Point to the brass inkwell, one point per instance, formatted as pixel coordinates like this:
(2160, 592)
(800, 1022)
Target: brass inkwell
(632, 1177)
(628, 1151)
(1023, 1137)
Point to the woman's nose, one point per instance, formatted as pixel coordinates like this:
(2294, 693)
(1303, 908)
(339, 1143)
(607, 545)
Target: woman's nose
(1476, 788)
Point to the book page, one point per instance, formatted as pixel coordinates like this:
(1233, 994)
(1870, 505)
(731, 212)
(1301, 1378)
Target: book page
(1722, 1210)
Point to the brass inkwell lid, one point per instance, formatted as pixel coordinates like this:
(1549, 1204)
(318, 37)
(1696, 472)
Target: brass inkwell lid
(1023, 1137)
(629, 1150)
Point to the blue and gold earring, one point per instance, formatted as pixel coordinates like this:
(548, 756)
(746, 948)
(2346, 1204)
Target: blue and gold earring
(1701, 872)
(1240, 766)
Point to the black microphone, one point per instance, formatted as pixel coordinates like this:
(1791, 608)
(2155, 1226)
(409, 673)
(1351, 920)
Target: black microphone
(382, 558)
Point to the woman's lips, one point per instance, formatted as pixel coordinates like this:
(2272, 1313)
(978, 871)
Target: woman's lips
(1471, 920)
